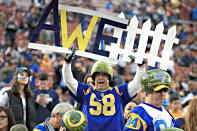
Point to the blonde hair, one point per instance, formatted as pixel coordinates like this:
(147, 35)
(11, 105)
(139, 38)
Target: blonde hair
(191, 116)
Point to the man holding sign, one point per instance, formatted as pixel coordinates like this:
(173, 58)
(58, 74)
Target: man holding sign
(102, 104)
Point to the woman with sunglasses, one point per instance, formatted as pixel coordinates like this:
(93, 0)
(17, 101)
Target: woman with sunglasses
(6, 118)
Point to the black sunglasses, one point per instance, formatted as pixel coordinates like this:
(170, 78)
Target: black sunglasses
(164, 89)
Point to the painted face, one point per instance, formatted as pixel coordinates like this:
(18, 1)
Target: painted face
(101, 81)
(3, 120)
(23, 78)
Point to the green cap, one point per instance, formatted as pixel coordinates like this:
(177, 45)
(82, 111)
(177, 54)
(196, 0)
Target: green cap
(155, 80)
(101, 67)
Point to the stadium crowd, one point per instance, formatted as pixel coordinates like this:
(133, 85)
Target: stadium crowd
(17, 25)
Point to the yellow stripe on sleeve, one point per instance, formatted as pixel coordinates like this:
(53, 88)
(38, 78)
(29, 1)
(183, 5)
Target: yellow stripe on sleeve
(117, 90)
(135, 122)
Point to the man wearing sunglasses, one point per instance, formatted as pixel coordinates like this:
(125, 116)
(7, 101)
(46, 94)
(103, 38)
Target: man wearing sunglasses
(150, 115)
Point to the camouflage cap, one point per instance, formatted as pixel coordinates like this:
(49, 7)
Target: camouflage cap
(155, 80)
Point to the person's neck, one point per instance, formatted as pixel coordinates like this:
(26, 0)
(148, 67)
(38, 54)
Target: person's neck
(151, 102)
(21, 91)
(21, 88)
(43, 88)
(174, 110)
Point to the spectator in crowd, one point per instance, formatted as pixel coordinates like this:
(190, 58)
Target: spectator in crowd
(193, 44)
(88, 80)
(191, 89)
(21, 61)
(64, 95)
(116, 77)
(45, 63)
(45, 98)
(177, 54)
(59, 91)
(193, 74)
(188, 122)
(54, 122)
(34, 68)
(195, 13)
(101, 103)
(78, 73)
(150, 115)
(1, 59)
(11, 29)
(6, 118)
(36, 57)
(19, 127)
(7, 59)
(7, 73)
(128, 109)
(20, 98)
(187, 59)
(175, 106)
(67, 97)
(109, 5)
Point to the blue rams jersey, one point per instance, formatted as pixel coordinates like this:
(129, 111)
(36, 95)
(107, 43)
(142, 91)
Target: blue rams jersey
(146, 117)
(104, 110)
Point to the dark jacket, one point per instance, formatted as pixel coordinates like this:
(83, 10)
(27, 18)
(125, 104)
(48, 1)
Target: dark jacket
(15, 103)
(43, 111)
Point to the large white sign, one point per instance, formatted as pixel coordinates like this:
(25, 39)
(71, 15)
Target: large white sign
(110, 53)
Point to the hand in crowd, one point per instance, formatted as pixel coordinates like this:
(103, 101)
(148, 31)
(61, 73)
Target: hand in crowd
(42, 99)
(62, 129)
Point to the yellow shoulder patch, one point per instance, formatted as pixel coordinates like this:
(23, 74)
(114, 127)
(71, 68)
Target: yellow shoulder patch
(117, 90)
(135, 122)
(87, 91)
